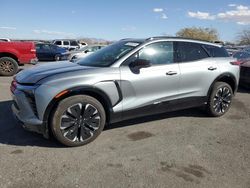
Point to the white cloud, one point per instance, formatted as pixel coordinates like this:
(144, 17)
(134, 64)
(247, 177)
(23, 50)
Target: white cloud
(8, 28)
(240, 15)
(201, 15)
(59, 33)
(161, 13)
(164, 16)
(158, 9)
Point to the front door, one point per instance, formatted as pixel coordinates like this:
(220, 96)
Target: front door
(147, 87)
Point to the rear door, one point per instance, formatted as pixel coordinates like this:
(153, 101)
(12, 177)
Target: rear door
(145, 90)
(198, 69)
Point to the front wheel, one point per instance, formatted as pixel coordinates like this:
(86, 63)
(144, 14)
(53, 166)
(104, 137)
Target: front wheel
(220, 99)
(78, 120)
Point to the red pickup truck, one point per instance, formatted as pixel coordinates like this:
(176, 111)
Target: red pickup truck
(13, 54)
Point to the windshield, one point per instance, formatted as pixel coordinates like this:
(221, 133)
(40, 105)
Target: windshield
(108, 55)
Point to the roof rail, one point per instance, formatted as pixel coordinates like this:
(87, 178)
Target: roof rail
(168, 37)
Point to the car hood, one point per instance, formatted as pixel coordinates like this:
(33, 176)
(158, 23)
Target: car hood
(34, 74)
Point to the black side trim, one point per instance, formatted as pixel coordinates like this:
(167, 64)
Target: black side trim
(119, 92)
(167, 106)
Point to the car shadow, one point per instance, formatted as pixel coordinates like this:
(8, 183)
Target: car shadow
(12, 133)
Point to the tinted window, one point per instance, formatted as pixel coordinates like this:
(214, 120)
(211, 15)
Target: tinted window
(215, 51)
(108, 55)
(157, 53)
(188, 51)
(58, 42)
(45, 47)
(73, 43)
(65, 42)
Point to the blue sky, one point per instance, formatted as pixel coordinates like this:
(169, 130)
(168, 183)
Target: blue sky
(114, 19)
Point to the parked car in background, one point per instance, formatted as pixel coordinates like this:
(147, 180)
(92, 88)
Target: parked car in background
(244, 59)
(50, 52)
(13, 54)
(242, 55)
(68, 44)
(83, 52)
(245, 73)
(127, 79)
(4, 40)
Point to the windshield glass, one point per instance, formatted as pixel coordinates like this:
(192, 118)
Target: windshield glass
(108, 55)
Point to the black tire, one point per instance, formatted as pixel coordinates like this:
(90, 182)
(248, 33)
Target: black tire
(57, 58)
(73, 126)
(220, 99)
(8, 66)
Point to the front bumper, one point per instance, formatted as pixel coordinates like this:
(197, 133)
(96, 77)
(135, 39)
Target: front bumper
(25, 112)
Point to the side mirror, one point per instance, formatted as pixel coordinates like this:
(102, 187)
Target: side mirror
(140, 63)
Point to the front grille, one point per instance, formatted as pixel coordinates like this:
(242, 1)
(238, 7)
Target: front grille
(32, 102)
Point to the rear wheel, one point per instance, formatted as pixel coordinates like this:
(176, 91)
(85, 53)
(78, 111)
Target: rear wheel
(8, 66)
(220, 99)
(57, 58)
(78, 120)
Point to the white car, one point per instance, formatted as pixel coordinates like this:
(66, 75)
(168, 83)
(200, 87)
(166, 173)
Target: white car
(68, 44)
(4, 40)
(84, 51)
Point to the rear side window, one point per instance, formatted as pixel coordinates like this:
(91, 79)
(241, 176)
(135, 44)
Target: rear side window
(189, 51)
(58, 42)
(215, 51)
(73, 43)
(65, 42)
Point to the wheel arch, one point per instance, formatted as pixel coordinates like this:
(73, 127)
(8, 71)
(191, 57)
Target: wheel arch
(11, 55)
(98, 94)
(228, 78)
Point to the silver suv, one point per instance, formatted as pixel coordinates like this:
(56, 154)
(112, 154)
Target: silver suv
(128, 79)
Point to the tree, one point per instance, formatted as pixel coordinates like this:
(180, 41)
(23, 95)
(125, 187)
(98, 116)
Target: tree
(244, 37)
(206, 34)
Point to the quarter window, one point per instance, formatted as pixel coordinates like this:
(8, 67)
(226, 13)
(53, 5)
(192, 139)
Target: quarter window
(215, 51)
(188, 51)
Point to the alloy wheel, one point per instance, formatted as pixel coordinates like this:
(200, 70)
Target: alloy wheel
(80, 122)
(6, 66)
(222, 100)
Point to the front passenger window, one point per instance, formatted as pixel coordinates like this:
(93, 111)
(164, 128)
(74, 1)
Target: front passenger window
(158, 53)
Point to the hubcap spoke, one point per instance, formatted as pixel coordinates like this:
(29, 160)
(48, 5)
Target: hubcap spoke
(222, 100)
(80, 122)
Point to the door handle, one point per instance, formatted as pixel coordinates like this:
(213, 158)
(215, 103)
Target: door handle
(171, 73)
(212, 68)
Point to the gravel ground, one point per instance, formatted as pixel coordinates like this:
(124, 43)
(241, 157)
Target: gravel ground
(178, 149)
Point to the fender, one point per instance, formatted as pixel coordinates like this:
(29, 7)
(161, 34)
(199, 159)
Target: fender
(92, 91)
(226, 75)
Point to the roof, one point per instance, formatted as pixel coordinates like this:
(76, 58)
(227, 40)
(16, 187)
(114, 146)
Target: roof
(174, 38)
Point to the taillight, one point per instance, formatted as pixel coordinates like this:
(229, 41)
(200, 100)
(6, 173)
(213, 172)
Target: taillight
(33, 50)
(238, 63)
(13, 86)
